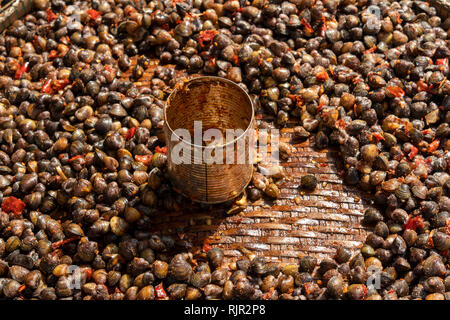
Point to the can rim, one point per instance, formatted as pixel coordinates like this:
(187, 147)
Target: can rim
(201, 78)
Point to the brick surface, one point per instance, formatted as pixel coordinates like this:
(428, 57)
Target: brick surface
(281, 230)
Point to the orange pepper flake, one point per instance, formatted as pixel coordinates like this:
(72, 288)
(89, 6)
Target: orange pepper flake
(414, 223)
(433, 146)
(109, 68)
(145, 159)
(307, 25)
(396, 91)
(174, 2)
(75, 157)
(399, 20)
(94, 14)
(309, 287)
(235, 60)
(295, 98)
(378, 136)
(371, 50)
(356, 80)
(50, 15)
(60, 84)
(331, 70)
(268, 294)
(422, 86)
(205, 37)
(341, 124)
(412, 153)
(430, 242)
(161, 150)
(14, 205)
(322, 76)
(52, 54)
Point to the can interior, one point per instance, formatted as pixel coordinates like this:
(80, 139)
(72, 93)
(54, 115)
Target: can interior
(217, 103)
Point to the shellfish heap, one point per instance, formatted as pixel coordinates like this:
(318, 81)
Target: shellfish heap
(83, 166)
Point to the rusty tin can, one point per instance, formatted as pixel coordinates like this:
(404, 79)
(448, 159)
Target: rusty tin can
(12, 11)
(222, 105)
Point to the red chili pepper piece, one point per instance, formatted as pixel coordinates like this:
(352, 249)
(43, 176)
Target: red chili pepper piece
(88, 272)
(160, 293)
(341, 124)
(50, 15)
(396, 91)
(130, 133)
(414, 223)
(322, 76)
(14, 205)
(52, 54)
(378, 136)
(94, 14)
(443, 61)
(433, 146)
(365, 291)
(46, 87)
(422, 86)
(206, 36)
(145, 159)
(309, 287)
(21, 70)
(206, 245)
(161, 150)
(59, 243)
(109, 68)
(307, 25)
(412, 153)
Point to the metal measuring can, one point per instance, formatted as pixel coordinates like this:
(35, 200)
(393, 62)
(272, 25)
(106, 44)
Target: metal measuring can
(204, 169)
